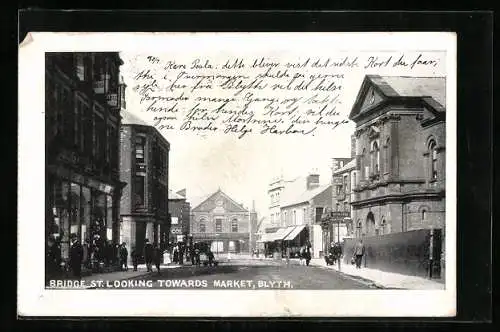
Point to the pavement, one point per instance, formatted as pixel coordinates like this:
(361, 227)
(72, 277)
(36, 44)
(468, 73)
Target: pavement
(383, 279)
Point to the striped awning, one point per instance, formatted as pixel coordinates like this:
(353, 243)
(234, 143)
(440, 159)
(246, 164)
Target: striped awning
(281, 233)
(294, 233)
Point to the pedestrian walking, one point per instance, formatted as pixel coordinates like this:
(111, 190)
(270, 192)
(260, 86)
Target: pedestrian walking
(193, 256)
(181, 254)
(76, 256)
(148, 255)
(359, 251)
(211, 258)
(197, 256)
(123, 257)
(176, 255)
(53, 258)
(307, 255)
(157, 257)
(135, 258)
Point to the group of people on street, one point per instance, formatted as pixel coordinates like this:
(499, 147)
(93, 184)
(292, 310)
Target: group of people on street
(334, 253)
(96, 255)
(153, 254)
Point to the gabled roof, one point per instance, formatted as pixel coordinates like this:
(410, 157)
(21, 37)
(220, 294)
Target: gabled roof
(431, 90)
(174, 195)
(131, 119)
(224, 195)
(303, 195)
(349, 166)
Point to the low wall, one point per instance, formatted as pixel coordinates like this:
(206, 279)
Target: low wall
(406, 252)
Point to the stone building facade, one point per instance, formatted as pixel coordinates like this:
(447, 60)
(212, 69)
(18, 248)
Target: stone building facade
(400, 154)
(222, 223)
(144, 164)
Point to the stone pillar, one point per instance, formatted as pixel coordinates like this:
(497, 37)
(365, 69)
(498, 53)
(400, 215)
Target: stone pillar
(149, 232)
(128, 235)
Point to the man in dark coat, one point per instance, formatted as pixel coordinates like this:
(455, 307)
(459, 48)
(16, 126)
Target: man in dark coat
(76, 256)
(148, 255)
(308, 255)
(158, 257)
(135, 258)
(123, 257)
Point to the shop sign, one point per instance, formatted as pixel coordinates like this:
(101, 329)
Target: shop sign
(112, 99)
(340, 214)
(338, 181)
(98, 86)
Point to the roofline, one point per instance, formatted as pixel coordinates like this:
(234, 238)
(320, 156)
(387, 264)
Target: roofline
(298, 203)
(229, 197)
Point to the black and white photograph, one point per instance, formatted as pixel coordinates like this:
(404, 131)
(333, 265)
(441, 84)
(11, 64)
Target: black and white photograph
(240, 174)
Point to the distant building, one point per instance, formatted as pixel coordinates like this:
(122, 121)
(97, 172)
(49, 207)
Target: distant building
(254, 221)
(82, 112)
(179, 209)
(144, 166)
(301, 204)
(400, 153)
(223, 223)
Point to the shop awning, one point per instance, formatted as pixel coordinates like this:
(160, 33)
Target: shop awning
(294, 233)
(281, 233)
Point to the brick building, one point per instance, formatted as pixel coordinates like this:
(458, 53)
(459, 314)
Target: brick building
(179, 209)
(82, 108)
(223, 223)
(144, 162)
(400, 153)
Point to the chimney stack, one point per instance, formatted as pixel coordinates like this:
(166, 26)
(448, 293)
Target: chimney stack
(313, 180)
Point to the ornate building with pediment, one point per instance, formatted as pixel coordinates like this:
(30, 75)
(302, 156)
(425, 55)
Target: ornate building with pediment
(400, 154)
(223, 223)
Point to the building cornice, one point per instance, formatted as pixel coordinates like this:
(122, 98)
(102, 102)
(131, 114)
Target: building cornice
(399, 197)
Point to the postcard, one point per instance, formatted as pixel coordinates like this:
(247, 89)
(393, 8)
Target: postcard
(237, 174)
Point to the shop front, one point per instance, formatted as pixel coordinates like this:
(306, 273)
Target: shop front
(82, 206)
(296, 239)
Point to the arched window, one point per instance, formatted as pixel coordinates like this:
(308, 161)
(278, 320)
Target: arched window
(434, 161)
(424, 214)
(370, 223)
(234, 225)
(202, 226)
(375, 154)
(365, 169)
(388, 157)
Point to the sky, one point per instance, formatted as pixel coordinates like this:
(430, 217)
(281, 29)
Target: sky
(243, 168)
